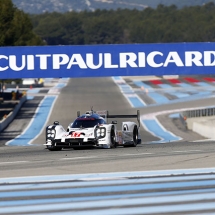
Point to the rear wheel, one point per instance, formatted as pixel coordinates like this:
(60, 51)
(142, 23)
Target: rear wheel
(134, 142)
(135, 136)
(112, 138)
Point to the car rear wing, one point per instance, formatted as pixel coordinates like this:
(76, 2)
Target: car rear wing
(105, 114)
(102, 113)
(126, 116)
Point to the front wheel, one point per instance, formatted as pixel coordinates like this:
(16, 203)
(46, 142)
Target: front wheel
(54, 148)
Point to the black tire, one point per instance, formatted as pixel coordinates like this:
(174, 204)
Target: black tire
(54, 148)
(76, 148)
(135, 136)
(112, 138)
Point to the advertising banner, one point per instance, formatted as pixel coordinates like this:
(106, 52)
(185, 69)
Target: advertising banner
(107, 60)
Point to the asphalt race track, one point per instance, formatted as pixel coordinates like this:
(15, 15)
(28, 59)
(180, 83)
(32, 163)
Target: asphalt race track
(103, 94)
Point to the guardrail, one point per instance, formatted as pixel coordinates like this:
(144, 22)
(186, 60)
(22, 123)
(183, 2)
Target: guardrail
(206, 112)
(189, 117)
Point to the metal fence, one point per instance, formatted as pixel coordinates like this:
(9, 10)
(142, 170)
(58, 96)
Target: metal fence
(199, 113)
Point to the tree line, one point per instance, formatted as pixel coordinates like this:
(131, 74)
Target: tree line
(40, 6)
(161, 25)
(16, 27)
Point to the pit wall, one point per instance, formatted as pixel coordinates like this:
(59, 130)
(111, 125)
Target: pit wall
(205, 128)
(6, 121)
(201, 121)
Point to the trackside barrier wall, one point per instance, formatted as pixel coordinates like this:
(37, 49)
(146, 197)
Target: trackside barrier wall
(201, 121)
(107, 60)
(5, 122)
(205, 128)
(198, 115)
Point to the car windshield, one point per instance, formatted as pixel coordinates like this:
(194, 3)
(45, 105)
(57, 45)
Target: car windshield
(87, 122)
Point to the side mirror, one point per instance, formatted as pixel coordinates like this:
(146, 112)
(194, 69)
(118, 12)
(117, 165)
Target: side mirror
(114, 122)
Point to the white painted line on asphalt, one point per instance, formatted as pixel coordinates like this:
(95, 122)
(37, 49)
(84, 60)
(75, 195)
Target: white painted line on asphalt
(99, 157)
(187, 151)
(195, 150)
(74, 158)
(204, 140)
(14, 162)
(180, 151)
(138, 154)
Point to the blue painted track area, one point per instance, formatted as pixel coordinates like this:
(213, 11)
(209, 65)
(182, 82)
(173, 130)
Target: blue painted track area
(150, 192)
(144, 92)
(37, 123)
(165, 91)
(154, 127)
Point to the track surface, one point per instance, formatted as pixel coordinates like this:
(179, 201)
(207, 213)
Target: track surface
(150, 193)
(26, 161)
(101, 93)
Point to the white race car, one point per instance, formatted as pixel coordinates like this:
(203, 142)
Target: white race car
(92, 129)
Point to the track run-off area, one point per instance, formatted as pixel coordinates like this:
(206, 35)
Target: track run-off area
(170, 172)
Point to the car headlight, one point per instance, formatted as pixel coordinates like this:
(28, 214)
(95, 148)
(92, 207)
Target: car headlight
(101, 132)
(50, 133)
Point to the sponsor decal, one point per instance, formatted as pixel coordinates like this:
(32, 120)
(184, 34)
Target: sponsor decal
(76, 134)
